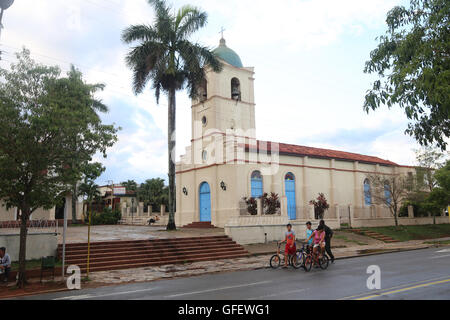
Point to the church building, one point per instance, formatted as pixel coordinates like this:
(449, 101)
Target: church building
(225, 162)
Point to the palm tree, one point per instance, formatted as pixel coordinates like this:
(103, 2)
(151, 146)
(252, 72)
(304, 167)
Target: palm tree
(167, 59)
(89, 190)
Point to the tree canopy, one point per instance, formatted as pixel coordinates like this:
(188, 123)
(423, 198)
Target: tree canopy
(153, 192)
(46, 122)
(413, 66)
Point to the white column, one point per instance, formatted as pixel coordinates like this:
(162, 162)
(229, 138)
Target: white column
(149, 211)
(283, 208)
(260, 206)
(338, 215)
(352, 214)
(312, 215)
(410, 211)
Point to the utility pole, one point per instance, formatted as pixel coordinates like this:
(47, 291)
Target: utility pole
(4, 4)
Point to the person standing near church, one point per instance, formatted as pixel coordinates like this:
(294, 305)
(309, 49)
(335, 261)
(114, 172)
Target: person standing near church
(5, 263)
(328, 236)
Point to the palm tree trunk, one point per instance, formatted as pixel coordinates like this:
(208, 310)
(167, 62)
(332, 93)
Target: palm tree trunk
(172, 153)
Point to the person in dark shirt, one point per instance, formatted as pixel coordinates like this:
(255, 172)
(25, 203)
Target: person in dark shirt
(328, 236)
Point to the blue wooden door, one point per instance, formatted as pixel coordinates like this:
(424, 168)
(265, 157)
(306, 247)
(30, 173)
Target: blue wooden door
(205, 202)
(290, 195)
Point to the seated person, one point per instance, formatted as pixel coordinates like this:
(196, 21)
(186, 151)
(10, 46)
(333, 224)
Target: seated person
(5, 264)
(290, 248)
(153, 220)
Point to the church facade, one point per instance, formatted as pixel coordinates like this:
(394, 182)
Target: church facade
(225, 162)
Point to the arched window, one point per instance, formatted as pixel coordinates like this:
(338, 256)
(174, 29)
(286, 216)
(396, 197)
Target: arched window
(257, 184)
(289, 177)
(367, 193)
(387, 193)
(235, 89)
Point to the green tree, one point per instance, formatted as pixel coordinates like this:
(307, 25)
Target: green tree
(390, 191)
(429, 160)
(84, 98)
(89, 190)
(439, 198)
(413, 65)
(165, 57)
(38, 129)
(153, 192)
(130, 185)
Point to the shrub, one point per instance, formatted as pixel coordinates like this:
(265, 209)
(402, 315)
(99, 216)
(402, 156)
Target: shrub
(107, 217)
(252, 205)
(271, 204)
(320, 206)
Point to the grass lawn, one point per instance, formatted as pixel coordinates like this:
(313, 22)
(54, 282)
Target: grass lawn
(406, 233)
(32, 264)
(344, 238)
(445, 242)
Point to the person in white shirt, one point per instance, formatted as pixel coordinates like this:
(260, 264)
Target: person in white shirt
(5, 264)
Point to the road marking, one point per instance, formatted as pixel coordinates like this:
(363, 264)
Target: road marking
(404, 289)
(276, 294)
(392, 288)
(442, 251)
(90, 296)
(217, 289)
(79, 297)
(443, 256)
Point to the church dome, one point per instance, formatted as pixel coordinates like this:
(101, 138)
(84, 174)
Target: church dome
(228, 55)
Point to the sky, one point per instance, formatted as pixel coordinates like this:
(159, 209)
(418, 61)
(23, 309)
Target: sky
(308, 55)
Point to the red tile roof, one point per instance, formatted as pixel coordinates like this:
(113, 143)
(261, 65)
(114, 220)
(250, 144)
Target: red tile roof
(294, 150)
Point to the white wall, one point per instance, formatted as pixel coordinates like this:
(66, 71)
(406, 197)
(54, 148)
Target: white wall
(38, 245)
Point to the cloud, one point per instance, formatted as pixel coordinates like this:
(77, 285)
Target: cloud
(309, 56)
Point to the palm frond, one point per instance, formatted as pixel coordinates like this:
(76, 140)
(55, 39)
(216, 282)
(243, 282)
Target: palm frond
(189, 19)
(139, 33)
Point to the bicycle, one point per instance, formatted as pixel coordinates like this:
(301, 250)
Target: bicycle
(312, 258)
(294, 260)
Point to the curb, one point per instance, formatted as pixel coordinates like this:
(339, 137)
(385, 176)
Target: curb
(357, 255)
(33, 293)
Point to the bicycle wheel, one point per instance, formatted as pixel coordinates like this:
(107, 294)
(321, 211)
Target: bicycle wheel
(307, 265)
(275, 261)
(298, 259)
(323, 262)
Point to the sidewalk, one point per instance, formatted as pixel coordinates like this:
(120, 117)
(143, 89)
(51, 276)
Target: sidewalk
(259, 258)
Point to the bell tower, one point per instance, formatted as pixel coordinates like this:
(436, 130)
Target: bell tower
(227, 102)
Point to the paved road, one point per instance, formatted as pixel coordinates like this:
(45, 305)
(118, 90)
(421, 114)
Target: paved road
(419, 274)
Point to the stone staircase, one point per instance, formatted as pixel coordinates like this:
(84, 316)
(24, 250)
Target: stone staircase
(200, 225)
(114, 255)
(374, 235)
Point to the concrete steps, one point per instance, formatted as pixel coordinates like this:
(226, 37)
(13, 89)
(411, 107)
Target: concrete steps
(115, 255)
(375, 235)
(200, 225)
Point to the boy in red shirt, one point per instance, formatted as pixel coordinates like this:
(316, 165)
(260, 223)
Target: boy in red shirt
(290, 248)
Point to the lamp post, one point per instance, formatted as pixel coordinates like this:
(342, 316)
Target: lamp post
(132, 211)
(4, 4)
